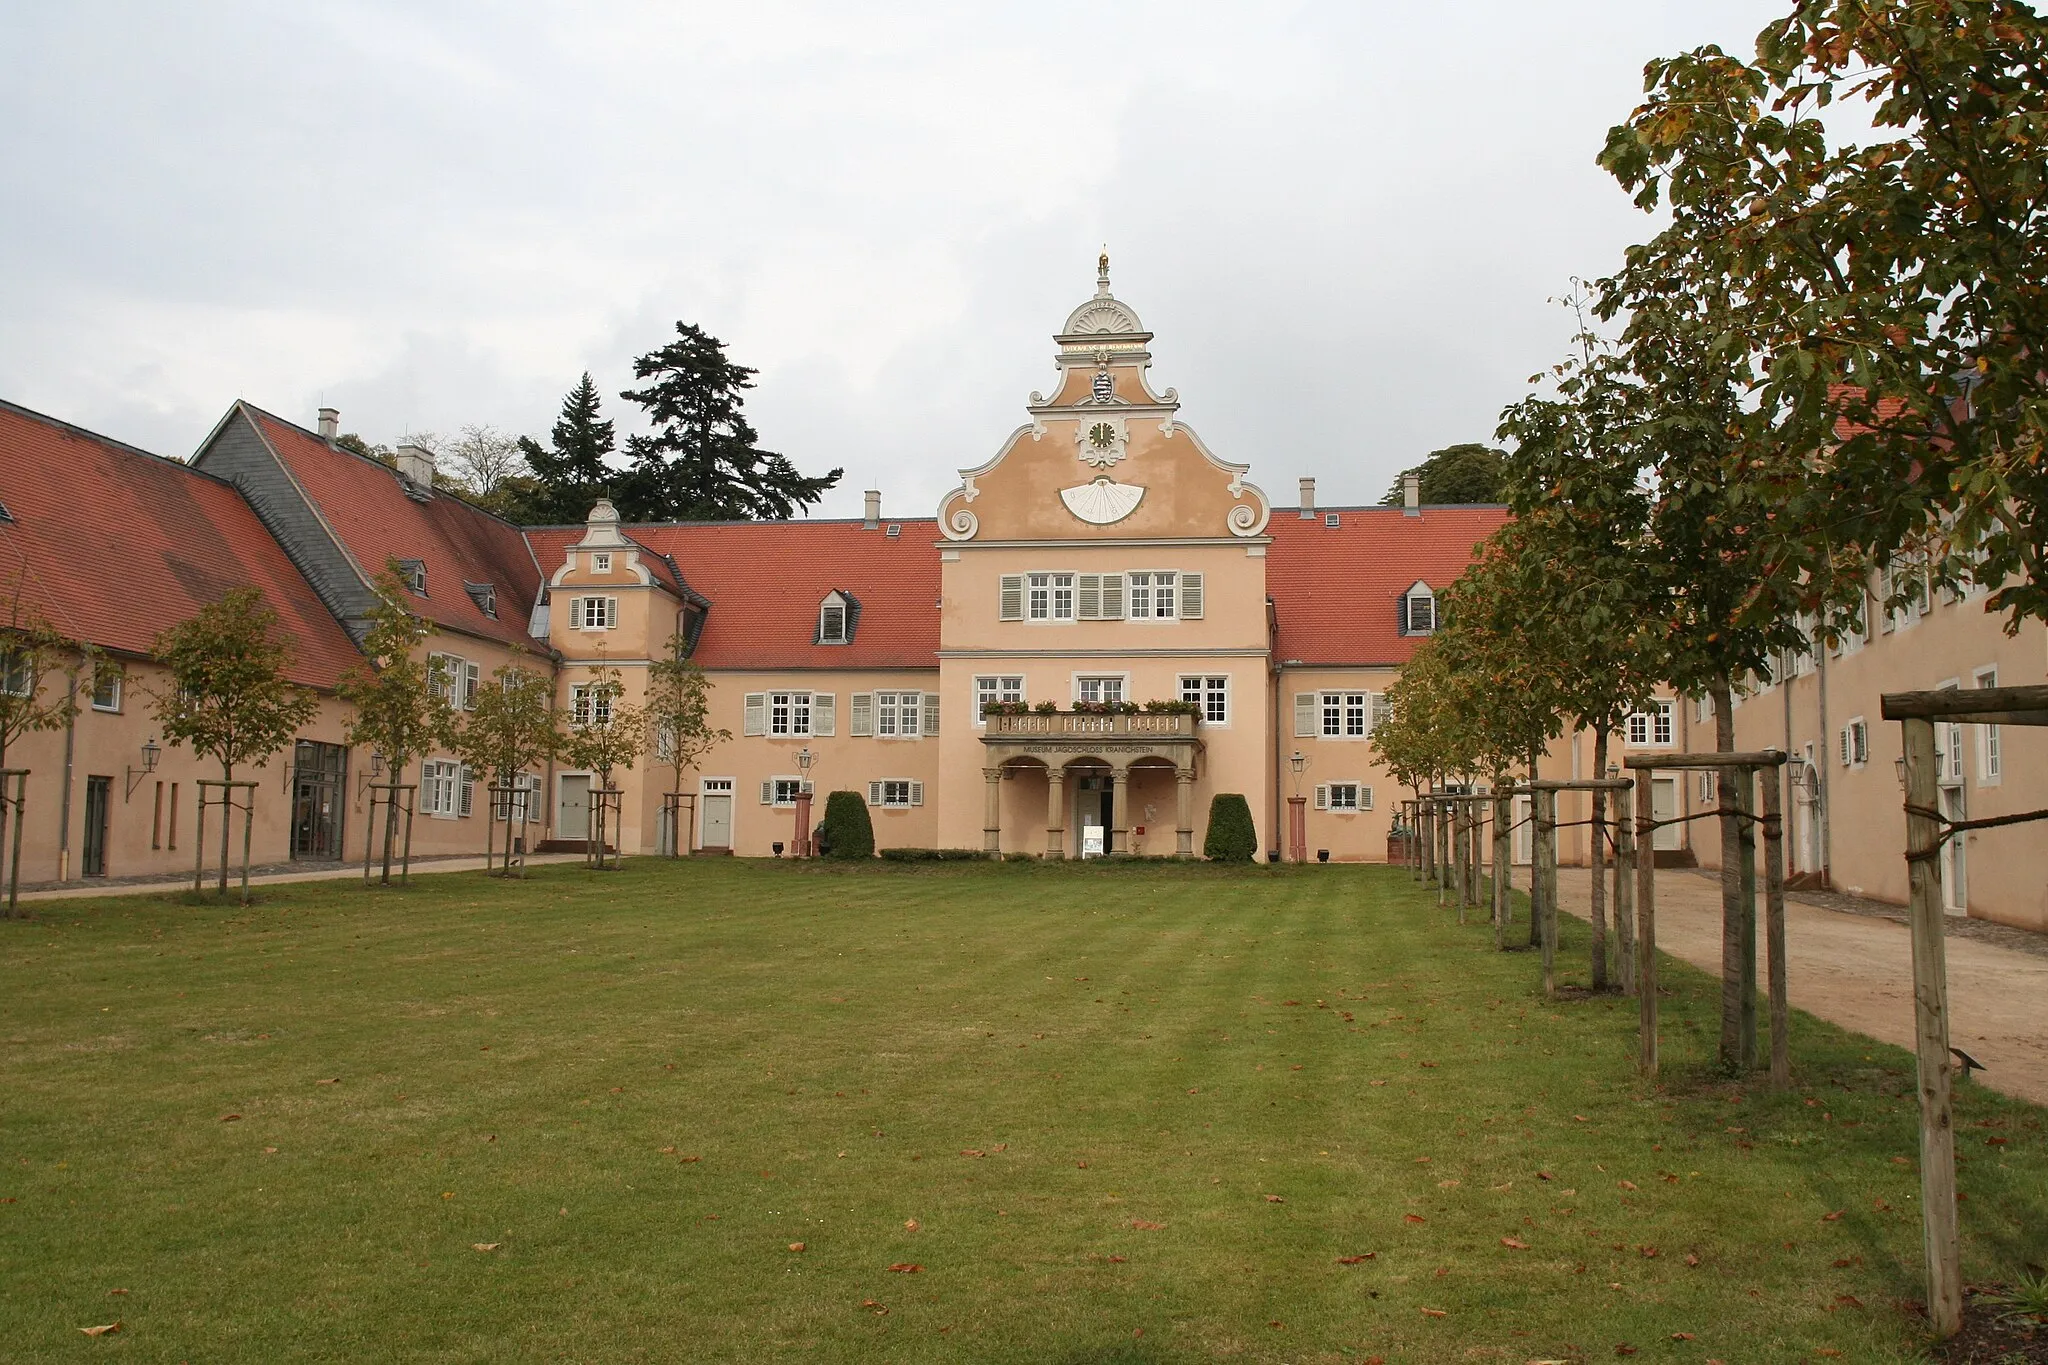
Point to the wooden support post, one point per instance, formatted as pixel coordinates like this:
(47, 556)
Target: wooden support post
(1546, 877)
(1461, 837)
(1503, 863)
(1625, 855)
(1746, 785)
(1930, 1021)
(1646, 929)
(1774, 925)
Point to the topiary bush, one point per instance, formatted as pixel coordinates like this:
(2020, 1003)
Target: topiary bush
(848, 832)
(1232, 838)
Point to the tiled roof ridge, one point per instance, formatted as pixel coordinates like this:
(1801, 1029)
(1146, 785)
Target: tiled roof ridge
(629, 526)
(112, 442)
(439, 492)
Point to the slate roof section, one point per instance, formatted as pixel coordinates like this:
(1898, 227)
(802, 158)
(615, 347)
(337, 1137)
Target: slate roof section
(365, 505)
(766, 579)
(1334, 588)
(114, 545)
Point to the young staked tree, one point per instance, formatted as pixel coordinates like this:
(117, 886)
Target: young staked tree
(228, 694)
(571, 472)
(401, 698)
(514, 727)
(703, 461)
(604, 736)
(39, 670)
(679, 729)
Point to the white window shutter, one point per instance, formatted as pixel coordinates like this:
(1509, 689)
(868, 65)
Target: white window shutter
(1322, 796)
(1112, 597)
(756, 718)
(611, 612)
(874, 793)
(862, 722)
(1088, 596)
(767, 791)
(1842, 739)
(1010, 600)
(1305, 714)
(1190, 597)
(917, 793)
(468, 798)
(472, 680)
(1364, 797)
(931, 713)
(575, 613)
(824, 714)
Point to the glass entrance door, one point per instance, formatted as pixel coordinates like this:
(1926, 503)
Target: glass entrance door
(1094, 816)
(319, 779)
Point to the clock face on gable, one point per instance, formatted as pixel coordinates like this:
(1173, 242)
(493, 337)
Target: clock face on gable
(1100, 443)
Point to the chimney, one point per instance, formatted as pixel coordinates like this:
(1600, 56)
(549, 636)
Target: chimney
(1411, 495)
(417, 464)
(1308, 499)
(330, 423)
(873, 516)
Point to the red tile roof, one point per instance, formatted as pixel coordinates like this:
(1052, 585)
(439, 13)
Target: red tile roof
(365, 504)
(766, 579)
(115, 545)
(1334, 588)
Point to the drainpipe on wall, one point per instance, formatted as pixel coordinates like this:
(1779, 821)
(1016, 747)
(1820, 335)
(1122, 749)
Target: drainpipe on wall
(64, 804)
(1280, 731)
(1826, 765)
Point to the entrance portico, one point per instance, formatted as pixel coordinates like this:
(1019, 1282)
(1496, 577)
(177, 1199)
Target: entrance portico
(1073, 749)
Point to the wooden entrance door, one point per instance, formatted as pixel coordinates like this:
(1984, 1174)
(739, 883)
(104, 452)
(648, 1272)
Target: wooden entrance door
(97, 793)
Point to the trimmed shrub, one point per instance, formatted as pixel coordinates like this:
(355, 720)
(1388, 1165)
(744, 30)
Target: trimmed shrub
(933, 855)
(848, 832)
(1232, 838)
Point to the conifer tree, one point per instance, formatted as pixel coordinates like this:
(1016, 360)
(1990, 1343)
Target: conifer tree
(571, 473)
(703, 462)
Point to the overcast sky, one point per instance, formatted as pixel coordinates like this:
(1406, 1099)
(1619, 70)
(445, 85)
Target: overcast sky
(1345, 222)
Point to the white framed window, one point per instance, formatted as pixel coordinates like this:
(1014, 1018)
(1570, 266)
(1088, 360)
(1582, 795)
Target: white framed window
(900, 715)
(106, 687)
(17, 679)
(590, 704)
(896, 793)
(1345, 715)
(1038, 597)
(833, 621)
(594, 613)
(1655, 728)
(1099, 687)
(1852, 742)
(782, 791)
(1211, 692)
(413, 573)
(1152, 595)
(996, 687)
(1417, 610)
(1990, 763)
(600, 562)
(454, 680)
(439, 783)
(1343, 798)
(789, 714)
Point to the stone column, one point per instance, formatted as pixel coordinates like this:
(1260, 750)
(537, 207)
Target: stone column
(1184, 794)
(1118, 835)
(1055, 812)
(992, 817)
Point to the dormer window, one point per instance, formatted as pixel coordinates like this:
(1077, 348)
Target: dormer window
(485, 595)
(1417, 611)
(600, 562)
(835, 619)
(413, 573)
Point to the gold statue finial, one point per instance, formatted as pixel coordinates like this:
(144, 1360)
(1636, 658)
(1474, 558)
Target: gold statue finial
(1102, 273)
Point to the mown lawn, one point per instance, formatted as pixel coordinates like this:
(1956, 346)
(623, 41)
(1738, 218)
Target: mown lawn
(1111, 1113)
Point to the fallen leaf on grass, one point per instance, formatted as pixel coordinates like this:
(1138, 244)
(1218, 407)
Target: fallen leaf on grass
(1681, 1336)
(1831, 1217)
(1115, 1260)
(1274, 1199)
(906, 1268)
(796, 1246)
(1435, 1313)
(1624, 1349)
(331, 1080)
(1545, 1175)
(668, 1151)
(447, 1194)
(1900, 1161)
(1626, 1184)
(101, 1330)
(1146, 1225)
(1649, 1253)
(1514, 1244)
(972, 1151)
(1691, 1259)
(1414, 1218)
(270, 1151)
(688, 1159)
(485, 1246)
(117, 1291)
(224, 1118)
(1354, 1260)
(1849, 1299)
(1581, 1118)
(1996, 1141)
(1447, 1184)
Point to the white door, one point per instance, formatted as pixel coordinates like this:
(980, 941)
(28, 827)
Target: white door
(572, 821)
(716, 834)
(1525, 831)
(1955, 889)
(1664, 806)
